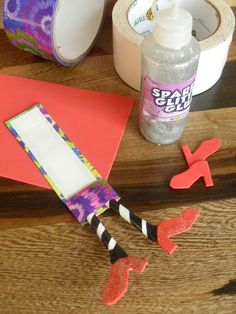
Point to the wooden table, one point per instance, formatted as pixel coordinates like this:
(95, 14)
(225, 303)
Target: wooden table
(50, 264)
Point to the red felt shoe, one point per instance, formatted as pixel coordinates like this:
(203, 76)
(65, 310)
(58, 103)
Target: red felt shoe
(205, 149)
(117, 284)
(175, 226)
(186, 179)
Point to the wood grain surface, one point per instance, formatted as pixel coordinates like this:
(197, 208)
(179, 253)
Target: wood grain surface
(50, 264)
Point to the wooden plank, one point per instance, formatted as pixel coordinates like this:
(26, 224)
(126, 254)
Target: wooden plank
(140, 166)
(43, 269)
(97, 72)
(50, 264)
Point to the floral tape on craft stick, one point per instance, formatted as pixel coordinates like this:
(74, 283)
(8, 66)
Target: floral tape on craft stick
(76, 181)
(59, 30)
(77, 184)
(82, 189)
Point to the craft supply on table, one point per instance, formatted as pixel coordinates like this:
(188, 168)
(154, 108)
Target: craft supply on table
(117, 284)
(59, 30)
(87, 116)
(86, 194)
(170, 57)
(198, 166)
(213, 26)
(162, 232)
(204, 150)
(68, 172)
(184, 180)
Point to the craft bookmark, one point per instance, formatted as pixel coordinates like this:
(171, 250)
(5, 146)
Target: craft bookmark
(82, 189)
(78, 184)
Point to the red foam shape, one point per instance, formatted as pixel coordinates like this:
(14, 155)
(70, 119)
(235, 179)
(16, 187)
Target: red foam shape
(206, 148)
(175, 226)
(117, 284)
(185, 180)
(87, 118)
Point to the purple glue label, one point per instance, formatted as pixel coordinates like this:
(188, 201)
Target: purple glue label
(167, 102)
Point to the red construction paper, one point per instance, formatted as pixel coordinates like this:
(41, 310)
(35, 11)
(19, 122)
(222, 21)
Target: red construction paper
(94, 122)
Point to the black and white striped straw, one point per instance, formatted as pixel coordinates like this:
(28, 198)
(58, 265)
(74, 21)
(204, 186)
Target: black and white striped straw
(149, 230)
(115, 250)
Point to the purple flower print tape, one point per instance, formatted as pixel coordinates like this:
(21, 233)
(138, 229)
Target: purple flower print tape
(89, 200)
(59, 30)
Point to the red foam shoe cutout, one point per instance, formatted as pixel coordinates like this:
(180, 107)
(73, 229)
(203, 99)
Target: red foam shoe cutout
(185, 180)
(175, 226)
(206, 148)
(117, 284)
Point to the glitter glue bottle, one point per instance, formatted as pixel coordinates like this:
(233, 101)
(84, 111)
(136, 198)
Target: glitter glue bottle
(169, 64)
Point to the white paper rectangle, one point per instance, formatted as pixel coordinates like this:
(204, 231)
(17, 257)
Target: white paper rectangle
(62, 165)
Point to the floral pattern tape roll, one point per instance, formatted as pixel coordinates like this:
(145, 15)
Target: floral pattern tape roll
(31, 25)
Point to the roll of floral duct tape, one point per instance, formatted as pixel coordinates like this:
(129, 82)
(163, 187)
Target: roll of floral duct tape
(213, 26)
(59, 30)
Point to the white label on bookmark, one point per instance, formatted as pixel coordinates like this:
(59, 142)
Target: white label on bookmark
(62, 165)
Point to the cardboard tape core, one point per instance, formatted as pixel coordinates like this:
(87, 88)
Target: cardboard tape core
(206, 19)
(76, 25)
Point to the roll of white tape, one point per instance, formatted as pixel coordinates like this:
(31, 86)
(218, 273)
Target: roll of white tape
(213, 26)
(59, 30)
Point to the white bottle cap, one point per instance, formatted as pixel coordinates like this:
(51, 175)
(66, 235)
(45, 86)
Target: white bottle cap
(173, 27)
